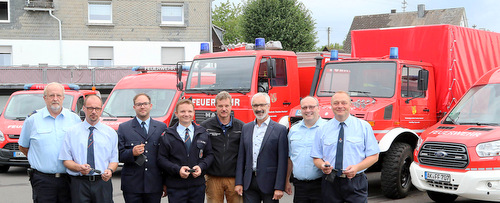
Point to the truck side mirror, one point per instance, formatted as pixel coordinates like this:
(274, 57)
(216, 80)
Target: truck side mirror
(271, 67)
(423, 80)
(179, 71)
(180, 86)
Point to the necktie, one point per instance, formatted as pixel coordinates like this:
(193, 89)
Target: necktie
(187, 139)
(339, 158)
(143, 124)
(90, 149)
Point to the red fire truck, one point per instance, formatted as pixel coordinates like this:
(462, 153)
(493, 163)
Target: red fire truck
(460, 155)
(19, 106)
(401, 96)
(244, 71)
(159, 82)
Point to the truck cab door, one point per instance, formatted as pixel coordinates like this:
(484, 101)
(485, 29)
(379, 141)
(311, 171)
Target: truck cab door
(415, 111)
(277, 87)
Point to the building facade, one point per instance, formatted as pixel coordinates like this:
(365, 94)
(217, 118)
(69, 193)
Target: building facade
(102, 32)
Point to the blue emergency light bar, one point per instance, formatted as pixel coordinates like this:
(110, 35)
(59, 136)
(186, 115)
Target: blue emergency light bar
(42, 86)
(334, 55)
(205, 48)
(260, 44)
(394, 54)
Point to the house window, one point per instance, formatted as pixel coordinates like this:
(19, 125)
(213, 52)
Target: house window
(172, 14)
(171, 55)
(101, 56)
(100, 12)
(4, 11)
(5, 55)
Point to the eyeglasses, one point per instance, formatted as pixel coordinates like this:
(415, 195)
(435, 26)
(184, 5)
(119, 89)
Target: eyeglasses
(97, 109)
(142, 104)
(343, 103)
(259, 105)
(307, 107)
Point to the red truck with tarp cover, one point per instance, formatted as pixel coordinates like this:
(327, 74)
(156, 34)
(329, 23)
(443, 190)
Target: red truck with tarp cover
(460, 155)
(159, 82)
(420, 73)
(243, 72)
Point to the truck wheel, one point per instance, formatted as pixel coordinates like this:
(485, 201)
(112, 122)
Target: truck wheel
(395, 174)
(4, 168)
(441, 197)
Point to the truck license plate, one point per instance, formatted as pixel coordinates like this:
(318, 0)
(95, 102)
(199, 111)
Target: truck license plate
(442, 177)
(19, 154)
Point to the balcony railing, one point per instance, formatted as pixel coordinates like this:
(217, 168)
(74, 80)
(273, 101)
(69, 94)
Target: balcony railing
(39, 5)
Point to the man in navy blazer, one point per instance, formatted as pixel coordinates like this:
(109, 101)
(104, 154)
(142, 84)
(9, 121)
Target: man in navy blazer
(138, 143)
(263, 156)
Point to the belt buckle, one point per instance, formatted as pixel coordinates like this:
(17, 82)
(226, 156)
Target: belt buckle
(57, 175)
(92, 178)
(343, 175)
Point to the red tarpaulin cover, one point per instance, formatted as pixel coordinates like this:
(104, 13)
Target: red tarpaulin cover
(459, 55)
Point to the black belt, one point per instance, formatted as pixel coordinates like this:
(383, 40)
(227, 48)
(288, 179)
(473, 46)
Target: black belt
(306, 181)
(89, 178)
(345, 176)
(53, 175)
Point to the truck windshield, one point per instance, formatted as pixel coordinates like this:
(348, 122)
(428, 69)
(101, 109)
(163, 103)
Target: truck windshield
(22, 105)
(215, 74)
(480, 106)
(120, 102)
(360, 79)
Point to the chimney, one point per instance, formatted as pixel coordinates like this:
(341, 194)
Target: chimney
(393, 10)
(421, 10)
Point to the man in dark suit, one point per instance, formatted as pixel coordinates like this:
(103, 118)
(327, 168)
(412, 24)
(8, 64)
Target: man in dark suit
(138, 142)
(263, 156)
(185, 154)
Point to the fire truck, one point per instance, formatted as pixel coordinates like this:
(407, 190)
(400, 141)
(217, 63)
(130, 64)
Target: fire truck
(459, 156)
(246, 69)
(159, 82)
(20, 105)
(402, 81)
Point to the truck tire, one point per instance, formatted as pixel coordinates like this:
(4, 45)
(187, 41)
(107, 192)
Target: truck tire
(395, 176)
(441, 197)
(4, 168)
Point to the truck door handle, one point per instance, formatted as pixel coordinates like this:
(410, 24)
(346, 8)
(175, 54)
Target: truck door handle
(287, 103)
(426, 110)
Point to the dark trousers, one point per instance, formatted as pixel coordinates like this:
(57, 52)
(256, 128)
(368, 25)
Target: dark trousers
(308, 191)
(49, 188)
(142, 197)
(85, 190)
(254, 195)
(342, 190)
(195, 194)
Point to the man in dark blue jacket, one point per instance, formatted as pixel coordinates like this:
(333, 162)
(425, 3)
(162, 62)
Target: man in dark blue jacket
(138, 141)
(184, 155)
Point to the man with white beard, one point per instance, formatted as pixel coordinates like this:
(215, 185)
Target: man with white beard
(263, 156)
(41, 140)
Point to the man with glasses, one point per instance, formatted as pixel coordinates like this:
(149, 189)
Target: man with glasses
(138, 142)
(263, 154)
(41, 139)
(90, 154)
(306, 176)
(343, 149)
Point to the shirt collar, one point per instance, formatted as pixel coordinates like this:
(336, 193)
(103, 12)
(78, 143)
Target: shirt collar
(318, 122)
(86, 125)
(228, 125)
(147, 121)
(347, 121)
(182, 128)
(45, 112)
(265, 122)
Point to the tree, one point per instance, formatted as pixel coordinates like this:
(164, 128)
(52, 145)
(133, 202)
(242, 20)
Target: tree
(287, 21)
(228, 17)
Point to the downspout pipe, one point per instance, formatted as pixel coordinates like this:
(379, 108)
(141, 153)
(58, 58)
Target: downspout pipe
(60, 38)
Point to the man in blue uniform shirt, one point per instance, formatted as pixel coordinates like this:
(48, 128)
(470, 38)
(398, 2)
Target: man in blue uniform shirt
(349, 145)
(90, 154)
(41, 139)
(306, 176)
(139, 139)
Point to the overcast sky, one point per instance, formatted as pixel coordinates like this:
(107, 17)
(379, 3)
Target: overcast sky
(338, 14)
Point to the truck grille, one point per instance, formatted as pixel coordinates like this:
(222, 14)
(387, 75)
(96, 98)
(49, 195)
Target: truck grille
(442, 185)
(202, 115)
(14, 136)
(11, 146)
(441, 154)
